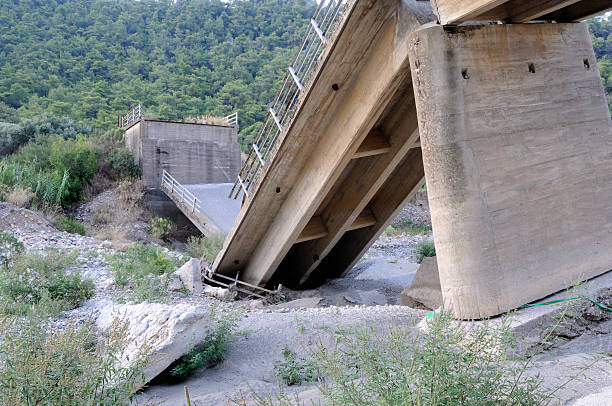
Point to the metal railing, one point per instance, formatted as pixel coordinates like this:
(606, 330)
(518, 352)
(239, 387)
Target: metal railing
(130, 117)
(232, 120)
(178, 190)
(281, 109)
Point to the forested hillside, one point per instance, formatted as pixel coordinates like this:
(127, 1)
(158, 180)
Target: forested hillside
(93, 59)
(601, 32)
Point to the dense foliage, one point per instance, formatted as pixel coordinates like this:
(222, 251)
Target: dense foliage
(53, 169)
(93, 59)
(12, 136)
(601, 33)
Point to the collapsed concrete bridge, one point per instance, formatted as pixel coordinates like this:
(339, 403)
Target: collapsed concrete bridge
(506, 120)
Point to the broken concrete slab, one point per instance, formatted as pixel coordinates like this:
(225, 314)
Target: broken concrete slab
(425, 288)
(163, 332)
(191, 276)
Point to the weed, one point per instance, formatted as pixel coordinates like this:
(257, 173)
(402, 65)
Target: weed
(40, 282)
(144, 270)
(70, 225)
(447, 363)
(160, 227)
(122, 162)
(54, 169)
(20, 196)
(409, 227)
(10, 248)
(293, 370)
(205, 247)
(209, 352)
(102, 215)
(42, 365)
(425, 248)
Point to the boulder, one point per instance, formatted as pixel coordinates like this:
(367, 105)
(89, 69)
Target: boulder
(191, 276)
(163, 332)
(425, 290)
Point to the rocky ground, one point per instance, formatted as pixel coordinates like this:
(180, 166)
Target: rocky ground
(368, 297)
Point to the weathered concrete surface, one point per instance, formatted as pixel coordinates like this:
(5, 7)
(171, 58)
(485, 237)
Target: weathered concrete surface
(162, 332)
(191, 276)
(517, 148)
(191, 153)
(319, 170)
(517, 11)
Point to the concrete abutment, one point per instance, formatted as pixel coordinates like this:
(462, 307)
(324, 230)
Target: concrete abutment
(517, 149)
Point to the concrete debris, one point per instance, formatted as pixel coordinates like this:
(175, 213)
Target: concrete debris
(225, 295)
(163, 332)
(191, 276)
(425, 289)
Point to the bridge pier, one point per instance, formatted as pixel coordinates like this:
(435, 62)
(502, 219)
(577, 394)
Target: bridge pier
(517, 148)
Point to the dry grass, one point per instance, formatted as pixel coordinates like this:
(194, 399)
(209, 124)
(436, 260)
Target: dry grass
(116, 216)
(206, 119)
(19, 196)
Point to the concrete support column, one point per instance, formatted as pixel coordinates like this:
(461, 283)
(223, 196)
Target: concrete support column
(517, 148)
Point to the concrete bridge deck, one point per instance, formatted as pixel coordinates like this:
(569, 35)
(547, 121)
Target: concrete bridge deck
(206, 205)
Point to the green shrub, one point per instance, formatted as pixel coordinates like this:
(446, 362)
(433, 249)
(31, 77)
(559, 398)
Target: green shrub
(70, 225)
(293, 370)
(41, 282)
(71, 366)
(425, 248)
(54, 168)
(160, 227)
(447, 363)
(143, 270)
(408, 226)
(205, 247)
(122, 162)
(13, 136)
(10, 248)
(209, 352)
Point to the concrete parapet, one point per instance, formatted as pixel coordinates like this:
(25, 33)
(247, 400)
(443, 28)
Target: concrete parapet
(517, 148)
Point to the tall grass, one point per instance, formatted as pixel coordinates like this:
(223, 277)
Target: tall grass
(72, 366)
(53, 168)
(446, 363)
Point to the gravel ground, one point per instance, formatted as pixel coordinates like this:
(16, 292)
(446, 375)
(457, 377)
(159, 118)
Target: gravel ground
(367, 297)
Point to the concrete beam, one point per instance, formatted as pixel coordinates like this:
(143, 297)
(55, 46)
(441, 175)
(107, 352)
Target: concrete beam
(515, 11)
(517, 147)
(355, 80)
(357, 186)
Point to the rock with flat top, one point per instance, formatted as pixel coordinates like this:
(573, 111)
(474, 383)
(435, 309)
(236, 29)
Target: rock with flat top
(191, 276)
(163, 332)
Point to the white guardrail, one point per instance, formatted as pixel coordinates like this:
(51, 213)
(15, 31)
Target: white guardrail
(316, 38)
(178, 190)
(130, 117)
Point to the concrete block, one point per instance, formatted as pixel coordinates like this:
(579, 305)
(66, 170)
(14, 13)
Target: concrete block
(517, 148)
(191, 276)
(425, 287)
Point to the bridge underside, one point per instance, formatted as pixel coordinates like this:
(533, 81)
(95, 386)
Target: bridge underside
(513, 128)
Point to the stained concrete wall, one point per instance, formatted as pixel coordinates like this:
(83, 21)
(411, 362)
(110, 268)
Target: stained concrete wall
(192, 153)
(517, 147)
